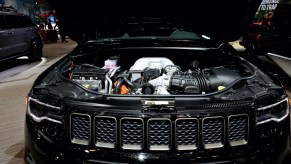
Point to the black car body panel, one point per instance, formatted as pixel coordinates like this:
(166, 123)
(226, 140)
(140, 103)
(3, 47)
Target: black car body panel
(161, 93)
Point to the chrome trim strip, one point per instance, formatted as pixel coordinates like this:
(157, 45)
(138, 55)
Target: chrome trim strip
(243, 141)
(103, 144)
(128, 146)
(44, 104)
(40, 119)
(159, 147)
(270, 106)
(187, 147)
(275, 119)
(79, 141)
(214, 145)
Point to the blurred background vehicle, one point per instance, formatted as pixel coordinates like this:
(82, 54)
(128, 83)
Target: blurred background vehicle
(19, 35)
(269, 43)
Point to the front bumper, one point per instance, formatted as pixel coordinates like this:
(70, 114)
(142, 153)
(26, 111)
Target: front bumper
(267, 142)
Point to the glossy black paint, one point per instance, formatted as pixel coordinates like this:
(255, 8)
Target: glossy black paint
(78, 112)
(266, 143)
(51, 142)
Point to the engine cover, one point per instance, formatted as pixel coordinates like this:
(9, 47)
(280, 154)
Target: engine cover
(151, 63)
(90, 78)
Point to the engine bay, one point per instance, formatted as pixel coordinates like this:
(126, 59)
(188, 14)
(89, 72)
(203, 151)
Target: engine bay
(154, 76)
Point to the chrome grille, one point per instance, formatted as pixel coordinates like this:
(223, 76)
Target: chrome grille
(238, 130)
(131, 133)
(186, 133)
(159, 134)
(213, 132)
(105, 131)
(80, 128)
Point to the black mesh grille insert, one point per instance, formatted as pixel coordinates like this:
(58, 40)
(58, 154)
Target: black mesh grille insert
(105, 132)
(159, 134)
(213, 131)
(238, 132)
(186, 134)
(231, 104)
(80, 128)
(131, 133)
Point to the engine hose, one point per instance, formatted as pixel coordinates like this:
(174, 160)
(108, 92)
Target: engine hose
(106, 85)
(110, 83)
(114, 71)
(127, 82)
(118, 85)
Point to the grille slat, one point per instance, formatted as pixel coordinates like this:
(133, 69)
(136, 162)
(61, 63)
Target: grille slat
(80, 128)
(105, 131)
(132, 133)
(186, 134)
(159, 134)
(237, 127)
(213, 132)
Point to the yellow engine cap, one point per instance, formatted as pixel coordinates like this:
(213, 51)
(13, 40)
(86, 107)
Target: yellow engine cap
(220, 87)
(86, 86)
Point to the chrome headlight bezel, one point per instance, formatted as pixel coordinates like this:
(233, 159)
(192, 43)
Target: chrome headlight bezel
(274, 112)
(40, 111)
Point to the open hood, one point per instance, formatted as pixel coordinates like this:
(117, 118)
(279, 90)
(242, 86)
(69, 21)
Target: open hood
(225, 20)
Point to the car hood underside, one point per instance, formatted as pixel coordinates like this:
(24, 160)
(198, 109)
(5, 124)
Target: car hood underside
(226, 20)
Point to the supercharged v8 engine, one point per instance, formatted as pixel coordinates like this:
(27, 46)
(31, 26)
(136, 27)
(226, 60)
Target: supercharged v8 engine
(154, 76)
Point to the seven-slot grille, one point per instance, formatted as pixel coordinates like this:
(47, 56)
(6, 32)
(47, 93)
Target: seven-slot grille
(159, 133)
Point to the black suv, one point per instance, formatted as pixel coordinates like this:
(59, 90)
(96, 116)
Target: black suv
(19, 36)
(271, 44)
(157, 88)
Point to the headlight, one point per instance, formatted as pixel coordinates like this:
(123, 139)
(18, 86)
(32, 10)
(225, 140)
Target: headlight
(275, 112)
(40, 111)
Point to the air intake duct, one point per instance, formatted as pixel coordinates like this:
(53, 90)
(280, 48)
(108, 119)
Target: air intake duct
(194, 83)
